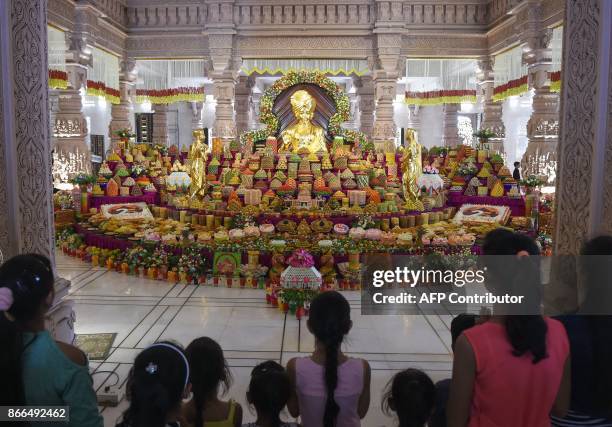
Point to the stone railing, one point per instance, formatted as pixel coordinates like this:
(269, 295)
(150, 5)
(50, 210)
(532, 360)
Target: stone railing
(114, 10)
(247, 14)
(166, 15)
(498, 9)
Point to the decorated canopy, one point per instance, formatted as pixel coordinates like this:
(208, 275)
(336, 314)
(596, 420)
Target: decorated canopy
(169, 81)
(434, 81)
(334, 67)
(103, 76)
(509, 74)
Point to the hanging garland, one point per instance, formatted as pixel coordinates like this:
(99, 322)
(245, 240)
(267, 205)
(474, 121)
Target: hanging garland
(512, 88)
(555, 81)
(279, 70)
(439, 97)
(112, 95)
(100, 89)
(58, 79)
(293, 78)
(170, 96)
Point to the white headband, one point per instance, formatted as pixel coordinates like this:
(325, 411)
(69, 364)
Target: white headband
(163, 344)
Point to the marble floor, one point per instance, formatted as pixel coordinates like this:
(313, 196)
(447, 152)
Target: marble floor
(142, 311)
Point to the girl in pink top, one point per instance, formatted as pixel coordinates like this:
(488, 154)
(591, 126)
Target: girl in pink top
(329, 388)
(511, 370)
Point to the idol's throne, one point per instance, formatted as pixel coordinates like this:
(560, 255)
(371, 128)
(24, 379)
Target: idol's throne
(325, 108)
(285, 109)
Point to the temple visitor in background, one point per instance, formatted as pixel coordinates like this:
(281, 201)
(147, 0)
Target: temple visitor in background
(36, 370)
(329, 388)
(268, 392)
(156, 386)
(590, 338)
(510, 370)
(209, 372)
(411, 394)
(516, 173)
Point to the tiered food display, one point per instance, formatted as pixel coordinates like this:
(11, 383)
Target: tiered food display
(232, 214)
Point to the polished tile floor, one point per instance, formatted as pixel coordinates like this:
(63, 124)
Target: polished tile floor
(143, 311)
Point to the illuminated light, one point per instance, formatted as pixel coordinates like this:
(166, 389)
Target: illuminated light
(64, 186)
(513, 101)
(467, 106)
(547, 190)
(146, 106)
(101, 102)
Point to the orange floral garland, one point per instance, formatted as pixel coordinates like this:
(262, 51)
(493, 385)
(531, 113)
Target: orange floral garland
(512, 88)
(439, 97)
(100, 89)
(555, 81)
(170, 96)
(58, 79)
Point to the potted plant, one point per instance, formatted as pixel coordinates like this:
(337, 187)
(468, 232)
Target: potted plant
(125, 134)
(531, 183)
(484, 135)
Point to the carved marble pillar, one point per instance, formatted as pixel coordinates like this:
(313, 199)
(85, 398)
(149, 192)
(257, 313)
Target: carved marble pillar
(584, 181)
(383, 133)
(414, 119)
(451, 125)
(367, 104)
(224, 85)
(120, 113)
(196, 118)
(160, 124)
(254, 117)
(540, 158)
(492, 111)
(69, 128)
(242, 103)
(583, 202)
(26, 206)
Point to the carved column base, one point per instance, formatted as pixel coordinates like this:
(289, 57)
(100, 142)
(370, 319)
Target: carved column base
(120, 119)
(72, 155)
(492, 119)
(225, 125)
(540, 159)
(451, 125)
(160, 124)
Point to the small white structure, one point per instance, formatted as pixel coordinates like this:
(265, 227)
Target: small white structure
(301, 278)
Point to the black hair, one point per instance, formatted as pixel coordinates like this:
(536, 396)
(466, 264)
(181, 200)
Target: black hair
(517, 164)
(597, 254)
(459, 324)
(269, 390)
(208, 370)
(156, 385)
(412, 395)
(30, 279)
(330, 321)
(526, 332)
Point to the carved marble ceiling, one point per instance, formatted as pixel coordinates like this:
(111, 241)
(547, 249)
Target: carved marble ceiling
(301, 28)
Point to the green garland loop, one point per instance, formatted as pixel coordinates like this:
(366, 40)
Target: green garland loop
(293, 78)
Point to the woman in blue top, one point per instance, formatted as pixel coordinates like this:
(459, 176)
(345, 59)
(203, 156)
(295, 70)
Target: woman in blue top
(36, 370)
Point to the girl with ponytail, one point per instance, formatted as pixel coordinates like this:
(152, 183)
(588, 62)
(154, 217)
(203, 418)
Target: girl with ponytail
(36, 370)
(156, 386)
(209, 372)
(411, 394)
(329, 388)
(269, 392)
(514, 368)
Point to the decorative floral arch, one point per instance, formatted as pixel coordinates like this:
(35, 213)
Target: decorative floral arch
(292, 78)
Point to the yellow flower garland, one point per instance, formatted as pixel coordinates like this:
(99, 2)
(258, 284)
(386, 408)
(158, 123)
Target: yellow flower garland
(441, 100)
